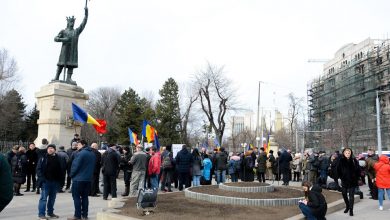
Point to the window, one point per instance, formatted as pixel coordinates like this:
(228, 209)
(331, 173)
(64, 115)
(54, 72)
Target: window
(379, 61)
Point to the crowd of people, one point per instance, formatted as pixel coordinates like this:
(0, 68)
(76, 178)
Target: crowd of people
(47, 170)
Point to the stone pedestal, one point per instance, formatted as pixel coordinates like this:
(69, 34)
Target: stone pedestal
(54, 102)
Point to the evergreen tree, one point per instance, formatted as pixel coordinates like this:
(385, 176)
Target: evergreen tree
(168, 113)
(31, 130)
(12, 111)
(129, 113)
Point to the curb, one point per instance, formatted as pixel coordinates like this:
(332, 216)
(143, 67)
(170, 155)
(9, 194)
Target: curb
(332, 207)
(112, 216)
(241, 201)
(255, 189)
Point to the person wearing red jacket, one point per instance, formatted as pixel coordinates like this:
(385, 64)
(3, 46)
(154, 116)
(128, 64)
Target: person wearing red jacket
(154, 168)
(382, 169)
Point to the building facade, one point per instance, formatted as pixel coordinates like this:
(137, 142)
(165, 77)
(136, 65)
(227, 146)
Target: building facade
(342, 100)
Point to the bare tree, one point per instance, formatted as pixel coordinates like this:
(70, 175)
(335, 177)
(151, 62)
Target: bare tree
(295, 109)
(283, 137)
(216, 97)
(347, 122)
(8, 71)
(101, 104)
(192, 97)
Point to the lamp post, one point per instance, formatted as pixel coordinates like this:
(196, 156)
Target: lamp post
(378, 120)
(257, 122)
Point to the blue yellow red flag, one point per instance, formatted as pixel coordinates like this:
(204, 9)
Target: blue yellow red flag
(148, 131)
(82, 116)
(133, 137)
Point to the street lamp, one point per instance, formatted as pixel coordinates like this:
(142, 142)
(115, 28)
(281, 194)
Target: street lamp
(378, 120)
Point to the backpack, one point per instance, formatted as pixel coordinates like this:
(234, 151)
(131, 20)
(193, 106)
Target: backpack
(249, 164)
(167, 163)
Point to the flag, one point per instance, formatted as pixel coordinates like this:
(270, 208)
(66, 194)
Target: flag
(156, 142)
(102, 128)
(148, 131)
(265, 145)
(268, 145)
(133, 137)
(82, 116)
(216, 142)
(250, 146)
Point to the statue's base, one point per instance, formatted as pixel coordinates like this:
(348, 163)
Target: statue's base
(71, 82)
(54, 102)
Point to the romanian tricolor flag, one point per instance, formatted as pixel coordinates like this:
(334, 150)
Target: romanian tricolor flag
(148, 131)
(156, 142)
(102, 128)
(82, 116)
(267, 145)
(133, 137)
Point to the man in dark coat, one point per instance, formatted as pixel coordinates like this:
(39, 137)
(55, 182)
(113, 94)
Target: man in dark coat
(371, 159)
(96, 173)
(32, 161)
(221, 160)
(49, 175)
(284, 166)
(6, 184)
(110, 167)
(127, 169)
(261, 165)
(183, 163)
(81, 173)
(72, 151)
(64, 158)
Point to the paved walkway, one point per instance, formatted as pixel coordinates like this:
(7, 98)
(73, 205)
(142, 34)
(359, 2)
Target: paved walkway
(26, 207)
(365, 209)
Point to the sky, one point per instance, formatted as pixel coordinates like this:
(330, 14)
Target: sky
(140, 44)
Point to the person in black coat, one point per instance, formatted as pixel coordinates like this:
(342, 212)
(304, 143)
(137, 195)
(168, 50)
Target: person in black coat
(96, 173)
(183, 164)
(32, 161)
(314, 205)
(110, 166)
(19, 169)
(127, 169)
(284, 166)
(348, 171)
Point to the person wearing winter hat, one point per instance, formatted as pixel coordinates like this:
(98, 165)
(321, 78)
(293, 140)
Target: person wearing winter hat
(49, 174)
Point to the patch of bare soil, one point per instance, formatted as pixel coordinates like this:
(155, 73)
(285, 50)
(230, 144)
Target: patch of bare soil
(246, 184)
(172, 206)
(280, 192)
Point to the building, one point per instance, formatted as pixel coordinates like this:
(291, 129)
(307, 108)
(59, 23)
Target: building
(278, 121)
(243, 123)
(342, 100)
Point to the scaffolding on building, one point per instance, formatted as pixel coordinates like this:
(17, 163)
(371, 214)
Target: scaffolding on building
(342, 100)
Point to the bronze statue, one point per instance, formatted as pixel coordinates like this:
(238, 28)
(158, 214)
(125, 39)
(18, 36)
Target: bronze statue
(69, 37)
